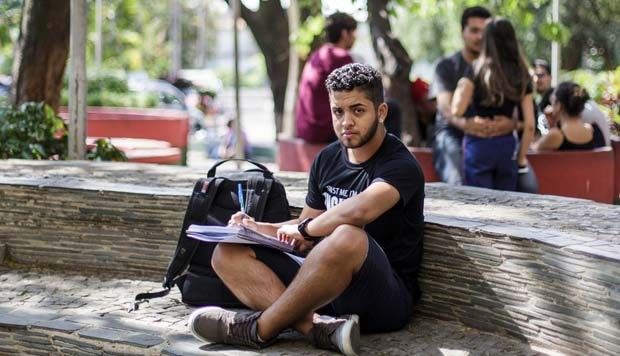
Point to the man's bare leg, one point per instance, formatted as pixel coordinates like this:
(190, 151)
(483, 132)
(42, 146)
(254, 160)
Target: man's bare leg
(250, 280)
(327, 271)
(325, 274)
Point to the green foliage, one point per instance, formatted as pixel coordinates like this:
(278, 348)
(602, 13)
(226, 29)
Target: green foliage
(109, 88)
(589, 30)
(104, 150)
(135, 34)
(10, 11)
(34, 131)
(555, 32)
(312, 27)
(255, 74)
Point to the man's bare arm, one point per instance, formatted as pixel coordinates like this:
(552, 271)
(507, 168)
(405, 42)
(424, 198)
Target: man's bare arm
(271, 228)
(359, 210)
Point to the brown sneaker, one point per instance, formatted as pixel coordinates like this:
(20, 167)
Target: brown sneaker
(213, 324)
(340, 334)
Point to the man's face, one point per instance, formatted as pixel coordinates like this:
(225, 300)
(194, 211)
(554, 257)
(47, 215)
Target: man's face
(472, 34)
(542, 79)
(349, 38)
(354, 117)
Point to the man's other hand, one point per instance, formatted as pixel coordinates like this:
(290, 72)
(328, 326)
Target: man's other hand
(290, 234)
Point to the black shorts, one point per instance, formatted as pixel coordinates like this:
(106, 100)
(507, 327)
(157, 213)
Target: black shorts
(376, 293)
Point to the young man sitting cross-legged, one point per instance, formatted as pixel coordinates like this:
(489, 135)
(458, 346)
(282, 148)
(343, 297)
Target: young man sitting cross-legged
(362, 222)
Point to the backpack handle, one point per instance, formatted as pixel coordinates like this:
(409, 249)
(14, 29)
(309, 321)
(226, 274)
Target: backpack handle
(265, 170)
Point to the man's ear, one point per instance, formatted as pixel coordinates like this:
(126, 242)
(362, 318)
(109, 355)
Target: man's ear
(382, 111)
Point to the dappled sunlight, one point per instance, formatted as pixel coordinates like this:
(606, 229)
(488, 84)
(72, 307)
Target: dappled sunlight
(481, 211)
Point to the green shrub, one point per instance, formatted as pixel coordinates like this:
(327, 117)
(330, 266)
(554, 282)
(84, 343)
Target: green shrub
(109, 88)
(104, 150)
(34, 131)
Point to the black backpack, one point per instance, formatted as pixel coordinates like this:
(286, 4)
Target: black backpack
(213, 201)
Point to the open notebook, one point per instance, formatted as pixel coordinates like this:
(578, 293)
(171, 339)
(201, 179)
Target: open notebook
(239, 235)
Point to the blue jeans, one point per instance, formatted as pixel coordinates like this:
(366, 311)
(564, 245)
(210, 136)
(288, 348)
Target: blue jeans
(527, 181)
(448, 156)
(491, 162)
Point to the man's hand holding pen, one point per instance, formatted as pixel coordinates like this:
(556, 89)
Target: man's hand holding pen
(239, 218)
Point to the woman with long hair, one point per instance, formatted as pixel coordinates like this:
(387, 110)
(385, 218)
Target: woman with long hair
(567, 130)
(497, 84)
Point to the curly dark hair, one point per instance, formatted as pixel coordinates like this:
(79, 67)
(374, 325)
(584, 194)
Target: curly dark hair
(357, 75)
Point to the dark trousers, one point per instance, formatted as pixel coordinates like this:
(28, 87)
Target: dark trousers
(491, 162)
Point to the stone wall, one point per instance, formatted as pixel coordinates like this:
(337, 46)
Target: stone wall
(543, 269)
(503, 280)
(129, 234)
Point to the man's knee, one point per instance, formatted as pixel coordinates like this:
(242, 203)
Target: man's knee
(347, 241)
(226, 254)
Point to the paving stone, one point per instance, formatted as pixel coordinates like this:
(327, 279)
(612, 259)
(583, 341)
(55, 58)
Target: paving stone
(59, 325)
(101, 334)
(141, 340)
(7, 320)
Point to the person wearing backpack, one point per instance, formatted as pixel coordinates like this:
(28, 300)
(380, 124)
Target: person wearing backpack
(362, 225)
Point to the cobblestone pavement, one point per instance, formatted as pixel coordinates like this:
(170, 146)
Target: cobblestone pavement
(95, 307)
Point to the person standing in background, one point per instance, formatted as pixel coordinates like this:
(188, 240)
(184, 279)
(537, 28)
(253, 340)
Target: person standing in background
(448, 140)
(498, 84)
(312, 112)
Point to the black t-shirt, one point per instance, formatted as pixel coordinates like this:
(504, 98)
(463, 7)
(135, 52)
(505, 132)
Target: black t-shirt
(545, 100)
(447, 74)
(399, 230)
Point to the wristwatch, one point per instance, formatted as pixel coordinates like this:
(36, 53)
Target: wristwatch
(302, 230)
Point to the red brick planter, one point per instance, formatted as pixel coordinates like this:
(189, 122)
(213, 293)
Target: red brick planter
(579, 174)
(167, 125)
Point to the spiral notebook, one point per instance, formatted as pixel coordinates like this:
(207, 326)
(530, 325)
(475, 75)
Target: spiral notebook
(238, 235)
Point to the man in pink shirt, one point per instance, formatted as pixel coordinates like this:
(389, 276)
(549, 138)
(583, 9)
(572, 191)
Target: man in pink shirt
(312, 112)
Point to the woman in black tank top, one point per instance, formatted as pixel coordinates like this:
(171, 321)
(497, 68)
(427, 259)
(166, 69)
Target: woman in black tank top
(570, 133)
(499, 83)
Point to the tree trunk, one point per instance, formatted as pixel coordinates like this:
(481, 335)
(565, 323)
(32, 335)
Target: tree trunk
(572, 53)
(41, 52)
(269, 25)
(304, 9)
(395, 64)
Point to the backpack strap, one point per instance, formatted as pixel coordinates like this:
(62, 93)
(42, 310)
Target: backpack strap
(197, 210)
(261, 187)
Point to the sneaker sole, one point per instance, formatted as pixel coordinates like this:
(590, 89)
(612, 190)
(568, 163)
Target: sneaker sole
(350, 336)
(190, 322)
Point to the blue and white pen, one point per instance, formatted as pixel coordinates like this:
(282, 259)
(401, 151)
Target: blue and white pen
(240, 194)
